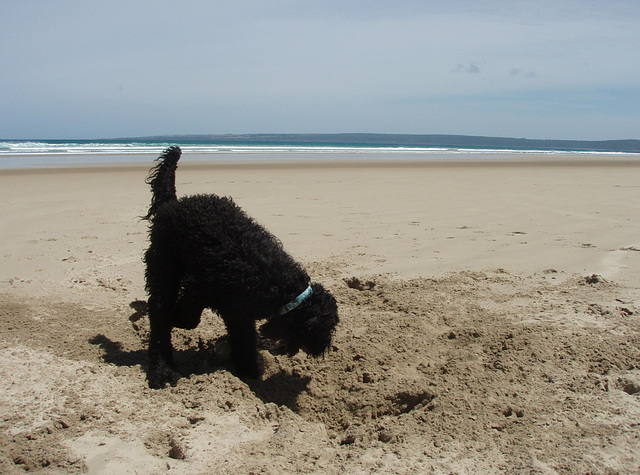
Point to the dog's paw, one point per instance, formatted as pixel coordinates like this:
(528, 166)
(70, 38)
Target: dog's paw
(248, 370)
(160, 375)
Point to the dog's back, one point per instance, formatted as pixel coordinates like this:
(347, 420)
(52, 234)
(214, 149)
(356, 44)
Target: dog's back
(210, 229)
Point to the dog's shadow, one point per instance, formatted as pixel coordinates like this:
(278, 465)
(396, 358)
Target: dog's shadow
(281, 388)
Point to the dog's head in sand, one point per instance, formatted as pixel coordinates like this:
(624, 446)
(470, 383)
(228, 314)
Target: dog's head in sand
(308, 327)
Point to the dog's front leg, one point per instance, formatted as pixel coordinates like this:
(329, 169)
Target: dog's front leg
(243, 339)
(189, 307)
(160, 369)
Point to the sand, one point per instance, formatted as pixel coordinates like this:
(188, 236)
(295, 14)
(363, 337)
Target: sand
(489, 323)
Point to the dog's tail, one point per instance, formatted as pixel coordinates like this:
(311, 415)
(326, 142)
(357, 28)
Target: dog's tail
(162, 179)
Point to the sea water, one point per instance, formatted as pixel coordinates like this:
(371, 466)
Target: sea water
(32, 154)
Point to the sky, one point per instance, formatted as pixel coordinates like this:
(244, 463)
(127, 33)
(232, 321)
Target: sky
(554, 69)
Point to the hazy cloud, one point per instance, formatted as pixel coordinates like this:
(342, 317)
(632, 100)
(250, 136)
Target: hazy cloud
(522, 73)
(471, 68)
(142, 67)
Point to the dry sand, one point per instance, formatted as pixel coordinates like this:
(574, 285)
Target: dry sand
(489, 323)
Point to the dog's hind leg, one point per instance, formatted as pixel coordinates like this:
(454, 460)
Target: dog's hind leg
(160, 349)
(162, 286)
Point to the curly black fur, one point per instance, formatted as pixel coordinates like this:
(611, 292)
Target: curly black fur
(205, 252)
(162, 179)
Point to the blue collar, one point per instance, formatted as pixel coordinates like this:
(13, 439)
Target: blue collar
(297, 301)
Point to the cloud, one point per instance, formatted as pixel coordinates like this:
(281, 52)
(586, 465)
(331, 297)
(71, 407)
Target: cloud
(148, 66)
(471, 68)
(519, 72)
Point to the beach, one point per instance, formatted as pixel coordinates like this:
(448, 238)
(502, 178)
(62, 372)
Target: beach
(489, 311)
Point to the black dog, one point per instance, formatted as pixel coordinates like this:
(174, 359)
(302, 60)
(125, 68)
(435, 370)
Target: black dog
(205, 252)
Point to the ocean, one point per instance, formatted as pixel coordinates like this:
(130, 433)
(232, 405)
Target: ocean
(42, 154)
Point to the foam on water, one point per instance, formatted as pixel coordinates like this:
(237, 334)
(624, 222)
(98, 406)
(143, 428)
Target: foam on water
(25, 154)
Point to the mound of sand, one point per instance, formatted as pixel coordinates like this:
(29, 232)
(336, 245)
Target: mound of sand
(474, 371)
